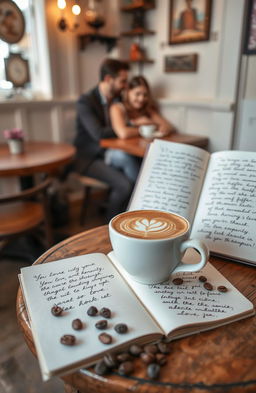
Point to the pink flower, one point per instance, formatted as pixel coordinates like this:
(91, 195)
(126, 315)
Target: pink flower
(14, 133)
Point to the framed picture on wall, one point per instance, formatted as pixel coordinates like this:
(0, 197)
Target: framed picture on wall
(250, 33)
(181, 63)
(12, 22)
(189, 21)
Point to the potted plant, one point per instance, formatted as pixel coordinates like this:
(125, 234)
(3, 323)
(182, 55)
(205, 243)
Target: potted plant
(15, 139)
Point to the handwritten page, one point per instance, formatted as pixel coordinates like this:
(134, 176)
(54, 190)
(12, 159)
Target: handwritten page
(226, 215)
(171, 178)
(76, 284)
(177, 307)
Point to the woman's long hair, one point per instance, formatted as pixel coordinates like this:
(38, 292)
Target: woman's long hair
(149, 106)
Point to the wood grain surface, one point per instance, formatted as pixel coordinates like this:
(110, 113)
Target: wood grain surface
(222, 360)
(138, 146)
(37, 157)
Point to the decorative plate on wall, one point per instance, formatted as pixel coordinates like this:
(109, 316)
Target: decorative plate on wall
(17, 70)
(12, 22)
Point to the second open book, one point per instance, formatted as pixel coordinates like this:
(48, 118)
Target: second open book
(216, 193)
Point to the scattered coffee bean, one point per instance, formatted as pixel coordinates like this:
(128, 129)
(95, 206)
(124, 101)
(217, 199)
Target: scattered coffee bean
(123, 357)
(105, 338)
(125, 368)
(222, 288)
(121, 328)
(110, 360)
(147, 357)
(164, 347)
(151, 348)
(208, 286)
(105, 312)
(56, 310)
(202, 278)
(161, 359)
(68, 339)
(135, 350)
(101, 368)
(92, 311)
(177, 281)
(153, 370)
(77, 324)
(103, 324)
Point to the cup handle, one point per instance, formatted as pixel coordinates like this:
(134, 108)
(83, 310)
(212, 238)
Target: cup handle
(193, 267)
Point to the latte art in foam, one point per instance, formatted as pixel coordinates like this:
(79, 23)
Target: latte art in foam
(148, 224)
(144, 225)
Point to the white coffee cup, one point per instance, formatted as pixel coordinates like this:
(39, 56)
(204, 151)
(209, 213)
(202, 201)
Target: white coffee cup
(147, 130)
(149, 244)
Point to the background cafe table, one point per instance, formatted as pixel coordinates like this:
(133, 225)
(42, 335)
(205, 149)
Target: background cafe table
(44, 157)
(222, 360)
(137, 146)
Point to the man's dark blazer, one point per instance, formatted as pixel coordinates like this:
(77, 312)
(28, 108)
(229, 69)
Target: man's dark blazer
(91, 126)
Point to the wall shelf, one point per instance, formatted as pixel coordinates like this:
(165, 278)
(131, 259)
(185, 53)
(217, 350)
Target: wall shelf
(139, 6)
(137, 32)
(140, 61)
(88, 38)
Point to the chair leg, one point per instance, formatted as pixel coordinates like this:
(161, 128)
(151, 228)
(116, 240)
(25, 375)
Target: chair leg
(47, 222)
(85, 202)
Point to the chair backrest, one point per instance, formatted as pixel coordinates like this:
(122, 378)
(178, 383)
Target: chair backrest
(22, 211)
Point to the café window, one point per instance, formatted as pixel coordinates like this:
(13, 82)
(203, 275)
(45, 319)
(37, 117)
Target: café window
(19, 65)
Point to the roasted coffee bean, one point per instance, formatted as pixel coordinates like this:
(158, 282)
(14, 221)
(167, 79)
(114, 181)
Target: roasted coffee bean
(68, 339)
(147, 357)
(56, 310)
(164, 347)
(110, 360)
(151, 348)
(202, 278)
(125, 368)
(123, 357)
(208, 286)
(135, 350)
(105, 312)
(92, 311)
(77, 324)
(102, 324)
(105, 338)
(101, 368)
(222, 288)
(161, 359)
(177, 281)
(121, 328)
(153, 370)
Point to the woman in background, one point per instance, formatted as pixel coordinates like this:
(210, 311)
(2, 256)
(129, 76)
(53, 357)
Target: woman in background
(136, 109)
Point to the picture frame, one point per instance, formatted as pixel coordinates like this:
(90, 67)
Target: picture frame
(181, 63)
(12, 22)
(250, 32)
(189, 21)
(17, 70)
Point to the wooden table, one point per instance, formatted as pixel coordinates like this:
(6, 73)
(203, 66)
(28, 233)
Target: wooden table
(137, 146)
(38, 157)
(222, 360)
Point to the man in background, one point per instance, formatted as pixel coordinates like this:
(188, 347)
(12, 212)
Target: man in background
(93, 124)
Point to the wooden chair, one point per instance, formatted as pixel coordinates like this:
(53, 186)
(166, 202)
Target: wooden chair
(89, 184)
(22, 212)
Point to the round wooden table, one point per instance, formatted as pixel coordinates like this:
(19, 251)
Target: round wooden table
(220, 360)
(38, 157)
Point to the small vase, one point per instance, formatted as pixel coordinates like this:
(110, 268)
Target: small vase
(16, 146)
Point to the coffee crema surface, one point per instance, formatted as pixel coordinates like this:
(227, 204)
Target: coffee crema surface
(150, 224)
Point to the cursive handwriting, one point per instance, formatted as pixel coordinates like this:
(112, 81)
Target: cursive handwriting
(82, 284)
(230, 204)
